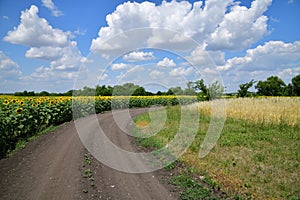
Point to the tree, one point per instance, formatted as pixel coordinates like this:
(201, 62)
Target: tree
(103, 90)
(189, 90)
(243, 91)
(296, 85)
(201, 88)
(177, 90)
(140, 91)
(215, 90)
(273, 86)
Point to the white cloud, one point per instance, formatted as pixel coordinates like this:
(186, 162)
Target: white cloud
(103, 77)
(241, 27)
(46, 43)
(166, 62)
(137, 56)
(271, 55)
(5, 17)
(9, 70)
(155, 74)
(79, 32)
(202, 58)
(180, 71)
(216, 24)
(120, 66)
(34, 31)
(50, 5)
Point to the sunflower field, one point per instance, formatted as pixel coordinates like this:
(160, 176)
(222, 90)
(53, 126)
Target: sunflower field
(23, 117)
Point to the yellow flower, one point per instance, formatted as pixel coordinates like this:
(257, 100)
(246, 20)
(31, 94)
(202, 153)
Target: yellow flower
(6, 102)
(19, 110)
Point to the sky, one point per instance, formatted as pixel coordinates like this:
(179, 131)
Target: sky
(60, 45)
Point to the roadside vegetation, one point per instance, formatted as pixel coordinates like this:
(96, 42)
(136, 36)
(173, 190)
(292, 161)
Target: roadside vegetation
(257, 155)
(24, 117)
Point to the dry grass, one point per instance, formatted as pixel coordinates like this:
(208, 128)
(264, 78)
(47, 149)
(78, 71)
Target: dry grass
(271, 110)
(257, 155)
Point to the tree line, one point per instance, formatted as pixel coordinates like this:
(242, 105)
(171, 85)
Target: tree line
(272, 86)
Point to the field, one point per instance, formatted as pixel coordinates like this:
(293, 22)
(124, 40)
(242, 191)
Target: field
(23, 117)
(257, 155)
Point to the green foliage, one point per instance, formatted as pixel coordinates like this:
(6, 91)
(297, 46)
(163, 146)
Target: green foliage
(254, 154)
(243, 91)
(191, 189)
(273, 86)
(296, 86)
(24, 117)
(215, 90)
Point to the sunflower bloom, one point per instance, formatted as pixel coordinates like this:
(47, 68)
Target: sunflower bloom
(19, 110)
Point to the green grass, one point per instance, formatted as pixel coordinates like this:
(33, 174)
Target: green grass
(21, 144)
(254, 161)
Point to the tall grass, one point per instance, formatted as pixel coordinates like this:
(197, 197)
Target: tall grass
(258, 153)
(271, 110)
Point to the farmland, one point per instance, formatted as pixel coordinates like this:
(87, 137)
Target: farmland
(23, 117)
(257, 155)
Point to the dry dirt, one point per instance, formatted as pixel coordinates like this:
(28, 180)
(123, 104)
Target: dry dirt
(52, 167)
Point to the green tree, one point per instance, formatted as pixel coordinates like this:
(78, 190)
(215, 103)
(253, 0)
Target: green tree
(177, 90)
(215, 90)
(201, 88)
(273, 86)
(140, 91)
(296, 85)
(103, 90)
(243, 91)
(189, 90)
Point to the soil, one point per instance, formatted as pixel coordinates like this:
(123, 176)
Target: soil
(53, 167)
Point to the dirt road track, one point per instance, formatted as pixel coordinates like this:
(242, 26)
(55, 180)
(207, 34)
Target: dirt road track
(51, 167)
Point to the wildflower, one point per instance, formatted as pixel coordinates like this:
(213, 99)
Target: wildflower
(19, 110)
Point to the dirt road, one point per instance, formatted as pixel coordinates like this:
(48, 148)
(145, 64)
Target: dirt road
(52, 167)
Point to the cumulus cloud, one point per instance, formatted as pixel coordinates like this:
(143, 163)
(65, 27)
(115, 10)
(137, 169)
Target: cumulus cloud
(8, 68)
(217, 25)
(103, 77)
(120, 66)
(34, 31)
(46, 43)
(180, 71)
(50, 5)
(155, 74)
(137, 56)
(166, 62)
(241, 27)
(271, 55)
(203, 58)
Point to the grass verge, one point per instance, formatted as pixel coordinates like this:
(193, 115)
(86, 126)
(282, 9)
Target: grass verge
(250, 161)
(24, 141)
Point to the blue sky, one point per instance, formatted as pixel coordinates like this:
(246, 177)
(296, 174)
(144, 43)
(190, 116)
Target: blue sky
(57, 45)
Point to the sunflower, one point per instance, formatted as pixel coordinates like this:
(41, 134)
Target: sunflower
(6, 102)
(14, 100)
(19, 110)
(33, 105)
(21, 103)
